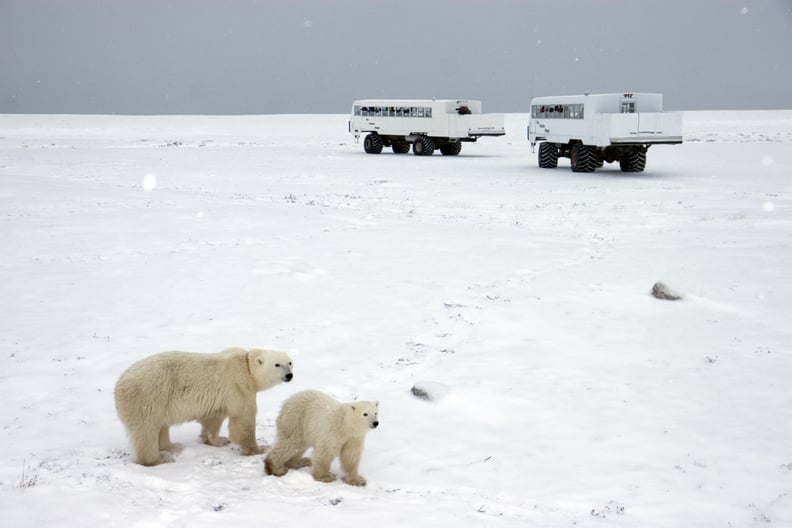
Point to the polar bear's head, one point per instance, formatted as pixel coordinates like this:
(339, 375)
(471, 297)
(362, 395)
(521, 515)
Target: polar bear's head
(269, 367)
(363, 416)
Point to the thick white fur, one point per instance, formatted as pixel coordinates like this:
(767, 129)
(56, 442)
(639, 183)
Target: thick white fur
(176, 387)
(312, 419)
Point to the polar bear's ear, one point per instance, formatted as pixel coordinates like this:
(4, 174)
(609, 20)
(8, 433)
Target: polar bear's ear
(353, 407)
(376, 404)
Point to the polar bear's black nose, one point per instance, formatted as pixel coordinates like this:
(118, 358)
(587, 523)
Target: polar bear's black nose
(374, 425)
(288, 377)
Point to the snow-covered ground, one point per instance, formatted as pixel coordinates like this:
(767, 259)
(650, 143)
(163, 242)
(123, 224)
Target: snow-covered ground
(566, 394)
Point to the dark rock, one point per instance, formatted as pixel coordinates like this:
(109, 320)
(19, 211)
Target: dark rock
(660, 290)
(420, 393)
(429, 390)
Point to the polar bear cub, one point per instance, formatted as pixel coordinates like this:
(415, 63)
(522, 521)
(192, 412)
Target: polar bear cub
(176, 387)
(314, 419)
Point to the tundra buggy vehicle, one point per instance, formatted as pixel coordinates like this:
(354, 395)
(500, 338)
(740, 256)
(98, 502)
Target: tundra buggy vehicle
(426, 124)
(593, 129)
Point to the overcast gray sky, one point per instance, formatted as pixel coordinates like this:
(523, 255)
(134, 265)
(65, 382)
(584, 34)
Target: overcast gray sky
(317, 56)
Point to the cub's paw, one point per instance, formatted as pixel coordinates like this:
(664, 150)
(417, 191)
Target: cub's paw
(355, 481)
(163, 458)
(255, 450)
(327, 477)
(216, 441)
(173, 449)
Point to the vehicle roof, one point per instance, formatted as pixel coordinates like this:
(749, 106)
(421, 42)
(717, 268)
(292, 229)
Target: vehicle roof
(583, 97)
(410, 102)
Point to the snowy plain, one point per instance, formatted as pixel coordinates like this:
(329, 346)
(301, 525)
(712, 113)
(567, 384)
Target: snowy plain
(566, 395)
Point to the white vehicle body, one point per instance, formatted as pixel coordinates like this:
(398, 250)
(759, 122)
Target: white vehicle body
(425, 124)
(592, 129)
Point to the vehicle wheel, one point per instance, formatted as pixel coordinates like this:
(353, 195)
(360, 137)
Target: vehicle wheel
(548, 155)
(633, 162)
(372, 144)
(423, 146)
(583, 158)
(451, 149)
(400, 147)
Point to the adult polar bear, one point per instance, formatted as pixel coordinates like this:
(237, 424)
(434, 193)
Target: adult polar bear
(313, 419)
(176, 387)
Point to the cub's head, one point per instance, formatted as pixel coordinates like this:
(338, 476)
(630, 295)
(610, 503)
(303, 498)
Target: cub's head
(363, 416)
(269, 367)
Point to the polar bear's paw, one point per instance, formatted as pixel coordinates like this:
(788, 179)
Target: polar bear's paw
(355, 481)
(255, 450)
(326, 477)
(172, 449)
(214, 440)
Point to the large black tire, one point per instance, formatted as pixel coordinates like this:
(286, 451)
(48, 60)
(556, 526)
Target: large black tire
(633, 162)
(548, 155)
(451, 149)
(583, 158)
(372, 144)
(423, 146)
(400, 147)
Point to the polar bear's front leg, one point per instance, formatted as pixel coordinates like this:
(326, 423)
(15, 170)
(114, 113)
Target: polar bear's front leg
(242, 430)
(210, 431)
(350, 461)
(321, 459)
